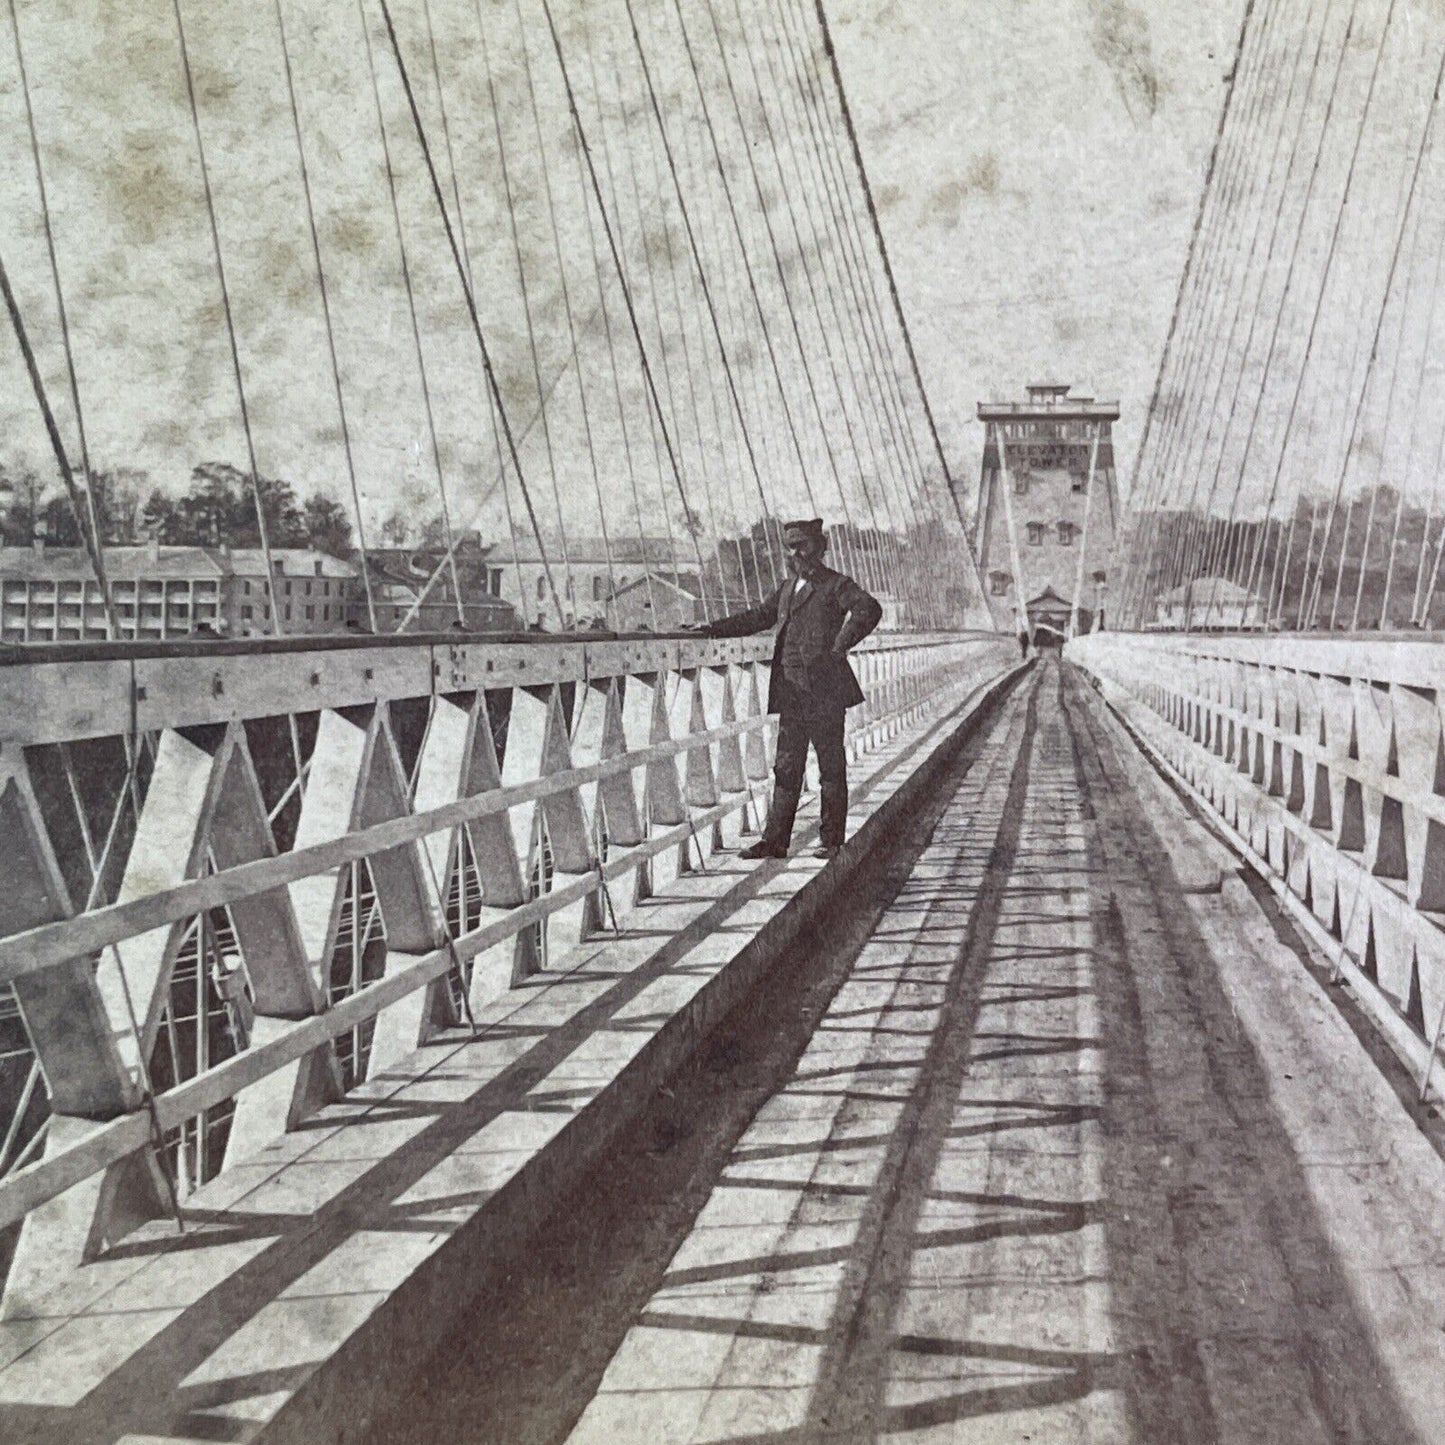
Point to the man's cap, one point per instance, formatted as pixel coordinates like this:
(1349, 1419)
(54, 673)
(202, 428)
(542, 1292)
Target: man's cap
(813, 528)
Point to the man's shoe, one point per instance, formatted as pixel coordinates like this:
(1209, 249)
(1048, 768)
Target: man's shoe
(763, 849)
(827, 850)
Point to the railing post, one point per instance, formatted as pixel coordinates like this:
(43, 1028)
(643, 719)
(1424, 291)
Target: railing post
(74, 1039)
(499, 867)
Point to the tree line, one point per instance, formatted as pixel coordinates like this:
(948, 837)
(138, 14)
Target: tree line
(218, 508)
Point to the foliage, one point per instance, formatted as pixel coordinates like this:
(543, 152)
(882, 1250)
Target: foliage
(220, 507)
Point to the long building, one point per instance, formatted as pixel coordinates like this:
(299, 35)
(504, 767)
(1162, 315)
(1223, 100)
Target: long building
(50, 594)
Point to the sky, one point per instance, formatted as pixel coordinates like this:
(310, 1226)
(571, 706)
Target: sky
(1038, 177)
(1037, 167)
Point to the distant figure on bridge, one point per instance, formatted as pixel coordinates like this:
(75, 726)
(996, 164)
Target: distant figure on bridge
(820, 615)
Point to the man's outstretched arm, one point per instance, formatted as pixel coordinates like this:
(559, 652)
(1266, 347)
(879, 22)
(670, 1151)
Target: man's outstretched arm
(740, 624)
(864, 611)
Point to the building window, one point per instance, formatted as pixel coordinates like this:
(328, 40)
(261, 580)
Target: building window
(1021, 484)
(246, 587)
(998, 583)
(245, 611)
(494, 581)
(1078, 481)
(596, 588)
(1036, 534)
(1066, 534)
(541, 589)
(311, 614)
(318, 566)
(288, 611)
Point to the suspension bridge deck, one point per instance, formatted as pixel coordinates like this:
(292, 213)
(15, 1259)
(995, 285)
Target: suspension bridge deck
(1053, 1137)
(1039, 1128)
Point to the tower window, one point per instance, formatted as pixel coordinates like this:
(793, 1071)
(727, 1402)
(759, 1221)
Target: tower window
(1036, 534)
(998, 583)
(1066, 534)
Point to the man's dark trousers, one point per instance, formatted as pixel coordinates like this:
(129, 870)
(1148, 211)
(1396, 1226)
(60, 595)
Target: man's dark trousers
(802, 720)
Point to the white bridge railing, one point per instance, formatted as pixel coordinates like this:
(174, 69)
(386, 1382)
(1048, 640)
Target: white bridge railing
(238, 884)
(1323, 759)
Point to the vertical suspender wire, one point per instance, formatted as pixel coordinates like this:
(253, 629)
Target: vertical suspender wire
(1307, 591)
(884, 581)
(811, 103)
(566, 289)
(1163, 550)
(1378, 329)
(1397, 350)
(814, 91)
(870, 329)
(1252, 430)
(1394, 378)
(92, 538)
(682, 330)
(1194, 443)
(1149, 538)
(1423, 603)
(690, 519)
(730, 464)
(1358, 367)
(698, 263)
(1417, 410)
(1421, 614)
(1209, 294)
(495, 389)
(1276, 229)
(57, 446)
(527, 316)
(851, 530)
(326, 312)
(1435, 470)
(225, 289)
(1204, 551)
(867, 190)
(1389, 412)
(878, 579)
(742, 250)
(694, 249)
(1188, 422)
(1282, 555)
(721, 294)
(448, 534)
(614, 190)
(1189, 425)
(409, 288)
(582, 190)
(824, 330)
(1166, 356)
(742, 245)
(621, 276)
(1206, 565)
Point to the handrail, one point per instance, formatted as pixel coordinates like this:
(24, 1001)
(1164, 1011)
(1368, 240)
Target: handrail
(909, 675)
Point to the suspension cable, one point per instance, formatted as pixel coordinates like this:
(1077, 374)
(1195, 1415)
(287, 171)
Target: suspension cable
(325, 312)
(471, 303)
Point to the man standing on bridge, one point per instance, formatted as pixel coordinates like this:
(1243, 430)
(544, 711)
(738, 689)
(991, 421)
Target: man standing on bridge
(819, 615)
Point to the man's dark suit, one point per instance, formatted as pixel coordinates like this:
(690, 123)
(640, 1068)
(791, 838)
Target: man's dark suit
(812, 686)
